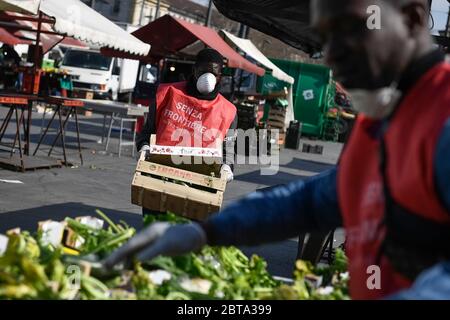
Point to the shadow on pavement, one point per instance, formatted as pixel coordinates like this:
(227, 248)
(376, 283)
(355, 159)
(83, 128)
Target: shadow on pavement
(28, 219)
(308, 165)
(278, 179)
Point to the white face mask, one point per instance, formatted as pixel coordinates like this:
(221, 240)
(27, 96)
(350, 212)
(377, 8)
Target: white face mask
(375, 104)
(206, 83)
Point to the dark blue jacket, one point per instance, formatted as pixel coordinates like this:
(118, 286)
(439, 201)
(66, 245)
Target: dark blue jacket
(312, 205)
(302, 206)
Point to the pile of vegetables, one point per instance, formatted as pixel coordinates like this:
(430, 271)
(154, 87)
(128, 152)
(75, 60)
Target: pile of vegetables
(31, 270)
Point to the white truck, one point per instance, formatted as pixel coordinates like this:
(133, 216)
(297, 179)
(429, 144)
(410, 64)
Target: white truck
(106, 77)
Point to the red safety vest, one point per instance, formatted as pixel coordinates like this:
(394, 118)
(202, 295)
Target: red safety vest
(410, 145)
(183, 120)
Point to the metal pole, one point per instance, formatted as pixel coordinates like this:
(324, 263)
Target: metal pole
(93, 4)
(241, 30)
(141, 18)
(243, 33)
(75, 111)
(247, 32)
(209, 14)
(447, 29)
(158, 9)
(37, 57)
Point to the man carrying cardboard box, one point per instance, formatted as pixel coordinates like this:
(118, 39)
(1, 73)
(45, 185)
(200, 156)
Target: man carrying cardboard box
(193, 113)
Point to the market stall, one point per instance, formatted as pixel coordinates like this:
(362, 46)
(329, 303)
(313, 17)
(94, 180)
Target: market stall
(120, 113)
(252, 51)
(72, 107)
(70, 18)
(168, 36)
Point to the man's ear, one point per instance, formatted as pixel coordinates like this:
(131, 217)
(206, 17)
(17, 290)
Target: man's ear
(416, 16)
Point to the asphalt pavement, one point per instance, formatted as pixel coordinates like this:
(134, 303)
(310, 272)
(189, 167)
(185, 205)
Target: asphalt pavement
(104, 181)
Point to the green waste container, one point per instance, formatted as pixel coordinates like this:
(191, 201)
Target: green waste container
(314, 92)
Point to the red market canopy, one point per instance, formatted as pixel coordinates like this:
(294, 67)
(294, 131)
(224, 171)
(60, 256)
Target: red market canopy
(168, 36)
(8, 38)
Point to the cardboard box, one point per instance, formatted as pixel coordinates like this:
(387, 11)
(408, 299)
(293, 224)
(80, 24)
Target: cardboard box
(90, 95)
(83, 94)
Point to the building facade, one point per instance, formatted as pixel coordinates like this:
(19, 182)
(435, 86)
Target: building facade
(142, 12)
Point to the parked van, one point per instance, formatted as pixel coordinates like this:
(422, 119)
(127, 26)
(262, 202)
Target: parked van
(108, 78)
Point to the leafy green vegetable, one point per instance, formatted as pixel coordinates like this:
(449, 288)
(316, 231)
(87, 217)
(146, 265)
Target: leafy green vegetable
(169, 217)
(30, 270)
(100, 241)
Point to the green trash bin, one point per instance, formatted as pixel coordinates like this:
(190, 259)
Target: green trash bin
(314, 92)
(315, 95)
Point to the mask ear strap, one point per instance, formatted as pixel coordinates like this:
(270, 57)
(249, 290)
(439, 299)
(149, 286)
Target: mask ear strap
(394, 85)
(397, 99)
(390, 95)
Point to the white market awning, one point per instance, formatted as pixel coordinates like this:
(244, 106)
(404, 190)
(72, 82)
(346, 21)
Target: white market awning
(251, 50)
(47, 40)
(75, 19)
(21, 6)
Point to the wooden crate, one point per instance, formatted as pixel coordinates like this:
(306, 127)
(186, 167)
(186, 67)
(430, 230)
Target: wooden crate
(282, 139)
(277, 113)
(83, 94)
(275, 124)
(164, 188)
(277, 119)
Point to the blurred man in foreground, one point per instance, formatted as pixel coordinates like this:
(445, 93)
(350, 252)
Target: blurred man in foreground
(391, 189)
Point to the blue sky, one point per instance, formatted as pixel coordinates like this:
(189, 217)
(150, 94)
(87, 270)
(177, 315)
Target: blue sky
(439, 11)
(203, 2)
